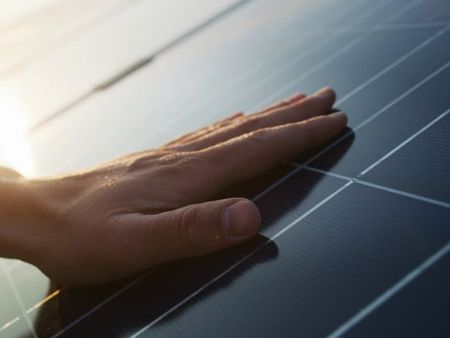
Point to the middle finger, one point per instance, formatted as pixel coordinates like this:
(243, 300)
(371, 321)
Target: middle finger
(319, 103)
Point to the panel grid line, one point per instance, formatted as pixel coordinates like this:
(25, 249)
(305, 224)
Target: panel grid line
(405, 194)
(385, 28)
(381, 187)
(394, 64)
(103, 303)
(9, 324)
(399, 26)
(405, 142)
(389, 293)
(18, 300)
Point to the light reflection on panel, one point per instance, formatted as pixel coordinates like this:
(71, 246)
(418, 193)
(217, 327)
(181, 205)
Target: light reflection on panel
(29, 29)
(54, 81)
(15, 149)
(157, 103)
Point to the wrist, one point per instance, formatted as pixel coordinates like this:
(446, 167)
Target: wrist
(25, 218)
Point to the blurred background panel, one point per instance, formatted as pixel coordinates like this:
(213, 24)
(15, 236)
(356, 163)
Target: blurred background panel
(54, 53)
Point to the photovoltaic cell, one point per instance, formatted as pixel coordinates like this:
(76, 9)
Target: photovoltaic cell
(418, 310)
(421, 166)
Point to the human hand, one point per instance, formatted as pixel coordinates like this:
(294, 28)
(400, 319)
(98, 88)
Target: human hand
(152, 207)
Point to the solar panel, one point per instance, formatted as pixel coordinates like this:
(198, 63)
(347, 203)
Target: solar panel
(356, 236)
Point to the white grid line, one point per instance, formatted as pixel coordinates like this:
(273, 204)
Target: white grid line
(18, 300)
(394, 64)
(328, 173)
(389, 293)
(391, 27)
(103, 303)
(405, 142)
(382, 187)
(406, 194)
(10, 323)
(415, 25)
(205, 286)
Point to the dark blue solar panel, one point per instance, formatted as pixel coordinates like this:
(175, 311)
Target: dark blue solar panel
(418, 310)
(421, 166)
(309, 280)
(356, 243)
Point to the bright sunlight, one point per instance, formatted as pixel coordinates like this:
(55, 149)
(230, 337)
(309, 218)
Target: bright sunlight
(15, 149)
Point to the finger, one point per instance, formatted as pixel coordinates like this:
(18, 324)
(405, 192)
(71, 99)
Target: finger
(203, 131)
(193, 230)
(290, 100)
(251, 154)
(318, 104)
(207, 130)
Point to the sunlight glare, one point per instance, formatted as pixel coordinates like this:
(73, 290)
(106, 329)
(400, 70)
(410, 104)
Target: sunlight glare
(14, 145)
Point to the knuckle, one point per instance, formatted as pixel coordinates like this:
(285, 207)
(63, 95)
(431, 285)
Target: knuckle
(188, 217)
(143, 160)
(259, 138)
(309, 129)
(250, 124)
(138, 163)
(311, 103)
(176, 163)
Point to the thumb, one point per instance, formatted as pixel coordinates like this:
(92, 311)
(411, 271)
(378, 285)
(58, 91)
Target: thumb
(200, 229)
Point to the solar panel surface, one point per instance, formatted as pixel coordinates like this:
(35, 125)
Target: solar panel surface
(356, 236)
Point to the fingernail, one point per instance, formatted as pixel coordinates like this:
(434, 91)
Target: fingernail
(295, 97)
(241, 219)
(325, 92)
(338, 115)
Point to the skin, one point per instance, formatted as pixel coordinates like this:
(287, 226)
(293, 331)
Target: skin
(124, 216)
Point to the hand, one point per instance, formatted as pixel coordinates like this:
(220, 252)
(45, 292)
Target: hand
(151, 207)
